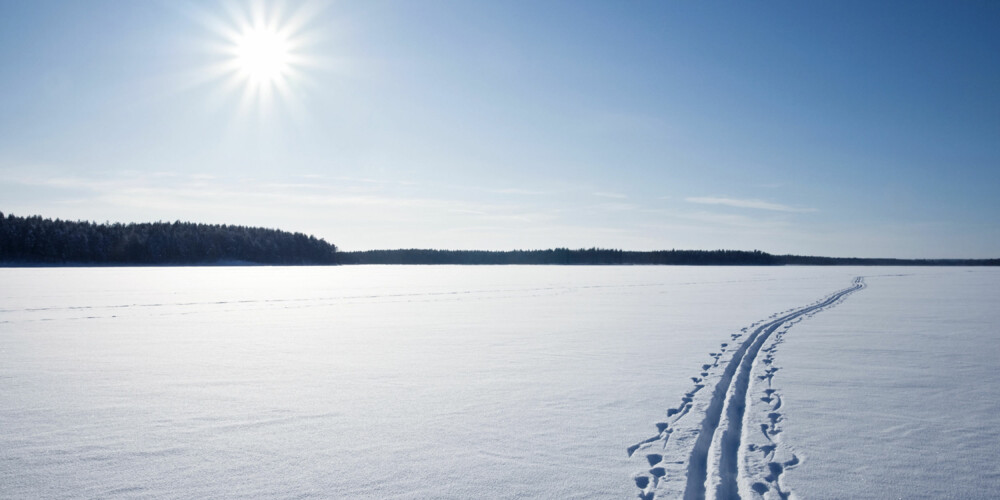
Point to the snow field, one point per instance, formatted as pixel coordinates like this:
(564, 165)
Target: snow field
(499, 382)
(897, 394)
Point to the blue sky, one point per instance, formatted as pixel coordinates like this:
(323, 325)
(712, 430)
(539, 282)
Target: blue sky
(840, 128)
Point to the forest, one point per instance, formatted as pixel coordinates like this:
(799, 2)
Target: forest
(558, 256)
(600, 256)
(36, 241)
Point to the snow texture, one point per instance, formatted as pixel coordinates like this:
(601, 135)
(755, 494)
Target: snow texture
(499, 382)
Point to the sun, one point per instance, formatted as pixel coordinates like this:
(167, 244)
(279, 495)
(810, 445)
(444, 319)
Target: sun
(263, 52)
(262, 55)
(262, 59)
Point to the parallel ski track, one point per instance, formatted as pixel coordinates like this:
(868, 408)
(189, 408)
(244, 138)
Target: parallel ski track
(729, 396)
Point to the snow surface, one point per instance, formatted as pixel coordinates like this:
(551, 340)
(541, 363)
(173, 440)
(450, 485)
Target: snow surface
(896, 392)
(494, 382)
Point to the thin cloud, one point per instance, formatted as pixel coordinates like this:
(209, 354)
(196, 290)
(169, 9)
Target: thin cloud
(617, 196)
(617, 207)
(183, 194)
(746, 203)
(525, 192)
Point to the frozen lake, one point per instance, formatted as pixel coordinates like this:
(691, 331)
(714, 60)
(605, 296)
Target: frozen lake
(496, 382)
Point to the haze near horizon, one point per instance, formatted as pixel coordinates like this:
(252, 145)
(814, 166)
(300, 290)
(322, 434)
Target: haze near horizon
(846, 129)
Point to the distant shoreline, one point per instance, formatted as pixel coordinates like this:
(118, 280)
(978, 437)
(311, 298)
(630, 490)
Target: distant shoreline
(37, 242)
(779, 261)
(597, 256)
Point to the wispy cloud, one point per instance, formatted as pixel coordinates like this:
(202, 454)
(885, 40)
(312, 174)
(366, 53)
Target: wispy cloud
(604, 194)
(617, 207)
(183, 195)
(525, 192)
(746, 203)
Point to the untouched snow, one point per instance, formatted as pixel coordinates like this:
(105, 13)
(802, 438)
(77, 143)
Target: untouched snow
(896, 393)
(495, 382)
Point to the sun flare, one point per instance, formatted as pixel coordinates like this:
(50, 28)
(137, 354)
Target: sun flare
(262, 55)
(262, 52)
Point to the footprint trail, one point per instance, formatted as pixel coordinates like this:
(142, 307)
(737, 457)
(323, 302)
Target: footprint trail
(723, 440)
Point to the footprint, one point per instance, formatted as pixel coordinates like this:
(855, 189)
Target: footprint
(760, 488)
(763, 429)
(776, 471)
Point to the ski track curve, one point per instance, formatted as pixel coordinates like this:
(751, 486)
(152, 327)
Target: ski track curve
(704, 460)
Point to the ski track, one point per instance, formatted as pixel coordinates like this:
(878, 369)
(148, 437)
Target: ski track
(732, 453)
(104, 311)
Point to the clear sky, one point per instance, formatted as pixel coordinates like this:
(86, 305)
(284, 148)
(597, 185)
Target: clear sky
(828, 128)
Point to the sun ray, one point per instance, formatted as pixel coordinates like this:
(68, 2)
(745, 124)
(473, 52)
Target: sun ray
(260, 50)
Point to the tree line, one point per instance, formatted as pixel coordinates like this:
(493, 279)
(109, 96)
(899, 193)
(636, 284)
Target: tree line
(601, 256)
(46, 241)
(34, 240)
(557, 256)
